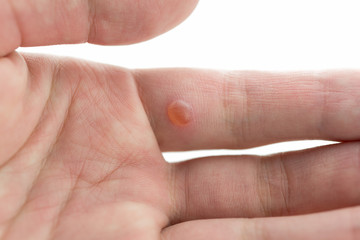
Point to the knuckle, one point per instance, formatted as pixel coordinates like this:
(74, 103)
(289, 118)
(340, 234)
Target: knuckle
(273, 187)
(235, 106)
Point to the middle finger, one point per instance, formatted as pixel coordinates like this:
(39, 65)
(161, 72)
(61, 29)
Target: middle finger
(287, 184)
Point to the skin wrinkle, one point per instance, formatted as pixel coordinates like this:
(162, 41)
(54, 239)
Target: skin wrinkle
(176, 203)
(92, 29)
(357, 165)
(281, 176)
(99, 99)
(4, 164)
(325, 93)
(267, 181)
(95, 129)
(136, 77)
(132, 106)
(260, 185)
(32, 76)
(234, 93)
(140, 93)
(172, 193)
(12, 219)
(186, 177)
(52, 231)
(65, 202)
(107, 176)
(106, 93)
(245, 121)
(56, 73)
(285, 186)
(228, 111)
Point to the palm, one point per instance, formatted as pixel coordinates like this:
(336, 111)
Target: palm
(96, 158)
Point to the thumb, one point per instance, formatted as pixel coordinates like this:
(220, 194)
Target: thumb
(46, 22)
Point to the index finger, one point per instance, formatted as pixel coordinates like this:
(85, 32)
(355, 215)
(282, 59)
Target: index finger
(45, 22)
(203, 109)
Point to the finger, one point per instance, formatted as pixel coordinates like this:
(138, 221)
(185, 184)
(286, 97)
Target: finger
(36, 22)
(293, 183)
(211, 109)
(341, 224)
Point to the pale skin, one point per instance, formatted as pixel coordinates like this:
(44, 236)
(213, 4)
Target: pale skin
(81, 143)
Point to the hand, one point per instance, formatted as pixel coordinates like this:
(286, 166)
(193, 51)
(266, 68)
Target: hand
(81, 143)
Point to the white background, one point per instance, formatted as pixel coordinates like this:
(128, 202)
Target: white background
(245, 35)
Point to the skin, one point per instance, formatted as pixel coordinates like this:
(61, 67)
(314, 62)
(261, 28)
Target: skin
(81, 143)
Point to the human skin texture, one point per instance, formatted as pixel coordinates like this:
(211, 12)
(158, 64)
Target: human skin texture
(81, 143)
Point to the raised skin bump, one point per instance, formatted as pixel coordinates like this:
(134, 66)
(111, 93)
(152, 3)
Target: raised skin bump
(180, 113)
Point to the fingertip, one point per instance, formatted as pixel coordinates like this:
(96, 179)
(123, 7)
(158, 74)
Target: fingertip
(10, 37)
(134, 22)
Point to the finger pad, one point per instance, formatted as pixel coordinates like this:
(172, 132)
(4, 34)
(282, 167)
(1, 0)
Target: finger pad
(128, 21)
